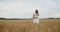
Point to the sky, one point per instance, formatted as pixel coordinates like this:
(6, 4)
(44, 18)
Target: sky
(26, 8)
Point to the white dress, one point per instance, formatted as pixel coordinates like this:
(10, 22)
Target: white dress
(36, 19)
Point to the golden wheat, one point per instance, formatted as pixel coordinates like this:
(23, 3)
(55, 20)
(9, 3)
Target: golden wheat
(46, 25)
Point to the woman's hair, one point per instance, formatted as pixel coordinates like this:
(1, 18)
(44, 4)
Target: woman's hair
(36, 11)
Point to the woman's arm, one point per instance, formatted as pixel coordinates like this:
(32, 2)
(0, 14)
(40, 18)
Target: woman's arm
(33, 16)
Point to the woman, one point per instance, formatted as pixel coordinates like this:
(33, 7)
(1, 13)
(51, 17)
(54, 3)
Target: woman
(35, 20)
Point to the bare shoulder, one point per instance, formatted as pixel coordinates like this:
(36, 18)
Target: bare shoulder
(33, 14)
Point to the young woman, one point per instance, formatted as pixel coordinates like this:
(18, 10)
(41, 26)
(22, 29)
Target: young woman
(36, 20)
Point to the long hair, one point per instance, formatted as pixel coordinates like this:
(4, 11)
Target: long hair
(36, 11)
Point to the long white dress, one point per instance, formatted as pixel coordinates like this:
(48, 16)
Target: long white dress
(36, 19)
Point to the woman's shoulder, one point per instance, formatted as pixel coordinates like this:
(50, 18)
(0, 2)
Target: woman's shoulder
(34, 13)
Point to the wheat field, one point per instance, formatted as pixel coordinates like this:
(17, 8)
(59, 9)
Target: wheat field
(45, 25)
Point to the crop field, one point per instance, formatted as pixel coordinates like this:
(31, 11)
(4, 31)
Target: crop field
(45, 25)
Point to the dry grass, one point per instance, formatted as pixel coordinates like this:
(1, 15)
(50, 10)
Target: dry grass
(47, 25)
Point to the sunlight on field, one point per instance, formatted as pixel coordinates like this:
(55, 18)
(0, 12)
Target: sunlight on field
(46, 25)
